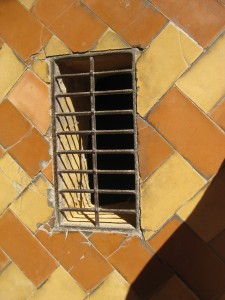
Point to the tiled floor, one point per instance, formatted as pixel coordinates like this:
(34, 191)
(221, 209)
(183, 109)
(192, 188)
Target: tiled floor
(181, 107)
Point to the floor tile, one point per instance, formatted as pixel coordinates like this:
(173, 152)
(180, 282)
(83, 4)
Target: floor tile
(8, 193)
(136, 21)
(114, 287)
(191, 259)
(47, 171)
(139, 267)
(191, 132)
(14, 124)
(31, 207)
(153, 149)
(11, 74)
(159, 66)
(21, 30)
(174, 289)
(204, 82)
(106, 243)
(59, 286)
(203, 20)
(172, 185)
(41, 68)
(27, 3)
(14, 284)
(30, 152)
(71, 22)
(2, 151)
(218, 245)
(56, 47)
(25, 250)
(110, 40)
(218, 114)
(4, 259)
(31, 97)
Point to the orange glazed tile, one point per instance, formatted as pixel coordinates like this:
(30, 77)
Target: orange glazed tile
(191, 259)
(218, 245)
(20, 29)
(135, 20)
(190, 131)
(106, 243)
(218, 114)
(13, 125)
(4, 260)
(153, 149)
(73, 24)
(139, 267)
(30, 96)
(174, 289)
(2, 151)
(202, 19)
(25, 250)
(30, 152)
(47, 171)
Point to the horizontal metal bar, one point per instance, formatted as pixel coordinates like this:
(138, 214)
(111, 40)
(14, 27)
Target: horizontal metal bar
(109, 92)
(124, 71)
(111, 151)
(119, 131)
(119, 210)
(97, 191)
(102, 112)
(97, 171)
(101, 228)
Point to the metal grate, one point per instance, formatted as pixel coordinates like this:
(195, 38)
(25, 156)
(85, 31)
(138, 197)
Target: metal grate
(95, 141)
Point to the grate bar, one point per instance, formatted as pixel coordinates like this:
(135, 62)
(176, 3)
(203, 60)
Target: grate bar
(125, 211)
(122, 151)
(63, 191)
(98, 171)
(119, 131)
(124, 71)
(109, 92)
(102, 112)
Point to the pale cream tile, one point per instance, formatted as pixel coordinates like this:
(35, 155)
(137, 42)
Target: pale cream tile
(11, 69)
(60, 286)
(204, 83)
(114, 287)
(41, 68)
(14, 285)
(7, 192)
(162, 63)
(110, 40)
(27, 3)
(56, 47)
(32, 207)
(174, 183)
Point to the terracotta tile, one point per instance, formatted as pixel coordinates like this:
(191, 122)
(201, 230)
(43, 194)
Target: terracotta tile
(30, 96)
(71, 22)
(2, 151)
(190, 131)
(106, 243)
(30, 152)
(20, 29)
(191, 259)
(139, 267)
(94, 262)
(203, 20)
(153, 149)
(25, 250)
(136, 21)
(174, 289)
(218, 245)
(218, 114)
(47, 171)
(4, 260)
(14, 125)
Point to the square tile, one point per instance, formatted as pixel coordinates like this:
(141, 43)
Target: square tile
(4, 259)
(218, 113)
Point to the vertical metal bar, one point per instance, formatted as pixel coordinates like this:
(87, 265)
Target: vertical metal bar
(94, 146)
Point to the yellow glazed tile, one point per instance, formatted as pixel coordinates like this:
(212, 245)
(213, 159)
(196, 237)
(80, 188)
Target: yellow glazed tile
(60, 286)
(18, 177)
(56, 47)
(114, 287)
(204, 83)
(32, 207)
(174, 183)
(11, 68)
(185, 211)
(41, 68)
(14, 285)
(27, 3)
(110, 40)
(162, 63)
(7, 192)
